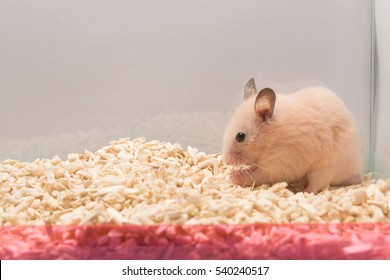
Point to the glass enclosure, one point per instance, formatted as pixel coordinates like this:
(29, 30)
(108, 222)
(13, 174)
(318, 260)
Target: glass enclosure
(75, 75)
(382, 86)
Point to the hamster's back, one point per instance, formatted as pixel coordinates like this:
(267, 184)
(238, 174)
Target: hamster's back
(329, 128)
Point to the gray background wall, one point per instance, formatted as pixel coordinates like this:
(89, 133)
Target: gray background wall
(76, 74)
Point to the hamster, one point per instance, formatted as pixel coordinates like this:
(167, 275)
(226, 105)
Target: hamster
(308, 136)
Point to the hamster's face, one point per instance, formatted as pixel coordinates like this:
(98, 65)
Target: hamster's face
(241, 135)
(242, 143)
(246, 133)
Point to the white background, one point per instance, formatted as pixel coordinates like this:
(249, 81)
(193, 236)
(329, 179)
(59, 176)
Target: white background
(76, 74)
(285, 269)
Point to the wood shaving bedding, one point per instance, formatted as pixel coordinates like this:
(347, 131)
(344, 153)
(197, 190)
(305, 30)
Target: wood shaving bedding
(154, 183)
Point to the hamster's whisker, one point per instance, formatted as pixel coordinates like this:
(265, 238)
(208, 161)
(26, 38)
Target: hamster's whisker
(250, 171)
(259, 166)
(275, 157)
(247, 173)
(242, 168)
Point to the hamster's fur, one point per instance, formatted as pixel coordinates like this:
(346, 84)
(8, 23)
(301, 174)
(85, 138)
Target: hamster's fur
(308, 136)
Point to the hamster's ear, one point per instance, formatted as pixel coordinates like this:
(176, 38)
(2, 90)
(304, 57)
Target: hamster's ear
(250, 88)
(265, 103)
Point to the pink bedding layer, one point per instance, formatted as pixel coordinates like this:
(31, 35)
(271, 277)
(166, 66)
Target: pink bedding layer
(259, 241)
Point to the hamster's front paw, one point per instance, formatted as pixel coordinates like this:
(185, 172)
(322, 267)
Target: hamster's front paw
(312, 189)
(235, 178)
(318, 180)
(240, 178)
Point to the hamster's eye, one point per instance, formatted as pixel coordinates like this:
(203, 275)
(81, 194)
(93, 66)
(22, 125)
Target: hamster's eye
(240, 136)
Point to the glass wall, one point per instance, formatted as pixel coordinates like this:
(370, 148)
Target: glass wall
(382, 67)
(76, 74)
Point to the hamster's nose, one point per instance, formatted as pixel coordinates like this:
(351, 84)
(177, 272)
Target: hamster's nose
(232, 157)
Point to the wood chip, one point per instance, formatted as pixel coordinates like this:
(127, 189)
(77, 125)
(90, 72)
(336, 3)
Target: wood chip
(140, 182)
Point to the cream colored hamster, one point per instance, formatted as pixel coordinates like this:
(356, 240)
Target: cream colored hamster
(308, 136)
